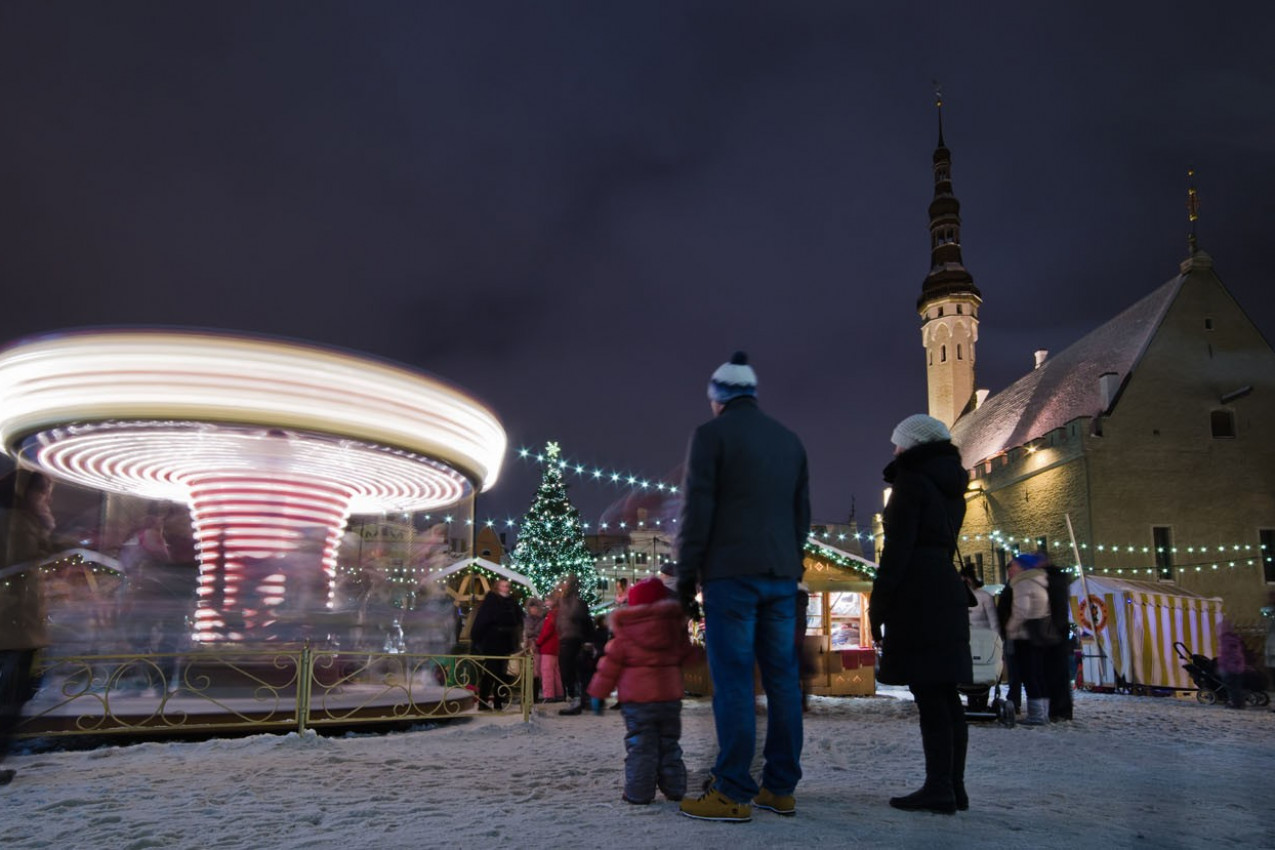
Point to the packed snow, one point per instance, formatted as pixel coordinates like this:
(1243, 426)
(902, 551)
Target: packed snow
(1129, 771)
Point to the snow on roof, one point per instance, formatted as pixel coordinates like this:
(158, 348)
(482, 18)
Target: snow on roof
(850, 556)
(1065, 386)
(515, 577)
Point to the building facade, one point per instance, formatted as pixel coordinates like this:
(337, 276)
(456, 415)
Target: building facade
(1140, 450)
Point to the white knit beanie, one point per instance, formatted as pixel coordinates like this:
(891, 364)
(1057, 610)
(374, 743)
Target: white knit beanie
(732, 380)
(918, 429)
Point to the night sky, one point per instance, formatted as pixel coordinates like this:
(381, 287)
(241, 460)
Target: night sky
(577, 211)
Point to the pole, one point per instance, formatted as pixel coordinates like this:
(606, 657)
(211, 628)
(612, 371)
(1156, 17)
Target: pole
(1084, 589)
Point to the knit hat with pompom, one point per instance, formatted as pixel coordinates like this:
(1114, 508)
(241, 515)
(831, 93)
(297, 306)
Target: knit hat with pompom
(732, 380)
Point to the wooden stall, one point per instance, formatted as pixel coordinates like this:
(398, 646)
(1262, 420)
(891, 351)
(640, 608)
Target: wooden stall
(838, 642)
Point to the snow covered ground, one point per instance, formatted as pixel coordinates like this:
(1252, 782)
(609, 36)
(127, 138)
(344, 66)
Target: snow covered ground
(1130, 771)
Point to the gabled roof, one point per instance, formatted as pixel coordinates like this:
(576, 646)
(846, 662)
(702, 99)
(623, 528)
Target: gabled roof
(1065, 386)
(819, 550)
(505, 572)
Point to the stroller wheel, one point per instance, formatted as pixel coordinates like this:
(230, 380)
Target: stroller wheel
(1206, 696)
(1259, 698)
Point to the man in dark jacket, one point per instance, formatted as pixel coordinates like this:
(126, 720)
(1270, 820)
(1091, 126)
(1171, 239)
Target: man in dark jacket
(495, 633)
(745, 520)
(1058, 657)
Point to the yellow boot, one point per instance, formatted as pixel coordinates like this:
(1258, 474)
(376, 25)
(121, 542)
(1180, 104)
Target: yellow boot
(715, 805)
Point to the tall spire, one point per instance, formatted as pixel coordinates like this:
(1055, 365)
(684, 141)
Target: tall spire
(1192, 212)
(949, 301)
(947, 272)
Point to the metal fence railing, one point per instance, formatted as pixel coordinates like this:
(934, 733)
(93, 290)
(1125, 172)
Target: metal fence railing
(287, 688)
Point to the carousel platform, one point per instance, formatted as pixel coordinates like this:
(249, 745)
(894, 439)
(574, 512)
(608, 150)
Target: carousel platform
(159, 695)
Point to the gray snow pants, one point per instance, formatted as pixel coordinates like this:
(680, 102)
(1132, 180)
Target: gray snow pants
(653, 746)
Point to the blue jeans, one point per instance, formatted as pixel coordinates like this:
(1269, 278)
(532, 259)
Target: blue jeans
(752, 620)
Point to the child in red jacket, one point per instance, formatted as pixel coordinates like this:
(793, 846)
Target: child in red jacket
(643, 662)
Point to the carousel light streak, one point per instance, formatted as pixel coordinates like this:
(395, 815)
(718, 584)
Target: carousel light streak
(273, 445)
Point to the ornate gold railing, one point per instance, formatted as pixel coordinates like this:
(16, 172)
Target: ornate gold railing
(239, 689)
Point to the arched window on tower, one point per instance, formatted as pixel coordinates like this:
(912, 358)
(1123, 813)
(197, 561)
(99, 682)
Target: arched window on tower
(942, 353)
(958, 352)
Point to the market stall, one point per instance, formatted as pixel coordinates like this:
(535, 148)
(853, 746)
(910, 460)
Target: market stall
(1129, 627)
(837, 646)
(838, 649)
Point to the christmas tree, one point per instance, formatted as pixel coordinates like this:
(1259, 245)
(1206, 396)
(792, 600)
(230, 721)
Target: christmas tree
(551, 537)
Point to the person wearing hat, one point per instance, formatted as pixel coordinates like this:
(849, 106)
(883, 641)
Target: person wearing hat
(919, 604)
(643, 664)
(744, 522)
(1030, 611)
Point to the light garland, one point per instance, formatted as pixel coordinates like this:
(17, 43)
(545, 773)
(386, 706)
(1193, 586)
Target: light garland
(812, 547)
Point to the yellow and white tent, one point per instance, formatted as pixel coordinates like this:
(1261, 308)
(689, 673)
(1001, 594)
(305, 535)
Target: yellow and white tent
(1137, 624)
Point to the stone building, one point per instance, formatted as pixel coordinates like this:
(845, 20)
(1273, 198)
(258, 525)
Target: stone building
(1151, 434)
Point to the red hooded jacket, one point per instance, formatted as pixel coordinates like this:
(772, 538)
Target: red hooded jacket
(643, 661)
(547, 642)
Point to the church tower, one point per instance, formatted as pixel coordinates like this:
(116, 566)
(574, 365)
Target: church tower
(949, 300)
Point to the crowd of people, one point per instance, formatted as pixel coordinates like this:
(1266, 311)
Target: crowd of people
(742, 531)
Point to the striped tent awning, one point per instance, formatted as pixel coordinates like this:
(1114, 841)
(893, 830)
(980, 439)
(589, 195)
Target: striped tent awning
(1136, 624)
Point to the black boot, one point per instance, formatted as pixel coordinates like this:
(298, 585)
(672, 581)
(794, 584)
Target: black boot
(960, 744)
(937, 733)
(937, 798)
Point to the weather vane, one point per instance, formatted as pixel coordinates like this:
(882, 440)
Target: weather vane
(938, 102)
(1192, 209)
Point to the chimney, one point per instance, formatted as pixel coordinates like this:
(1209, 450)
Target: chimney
(1108, 383)
(1041, 354)
(980, 396)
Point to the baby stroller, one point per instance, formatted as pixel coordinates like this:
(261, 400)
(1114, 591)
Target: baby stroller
(986, 649)
(1210, 688)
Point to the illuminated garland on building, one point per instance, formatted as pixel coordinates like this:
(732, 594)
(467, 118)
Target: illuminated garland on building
(1253, 554)
(841, 560)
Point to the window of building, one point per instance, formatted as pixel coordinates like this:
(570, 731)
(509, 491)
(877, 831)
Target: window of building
(958, 352)
(931, 358)
(942, 353)
(940, 312)
(1208, 324)
(1222, 423)
(1266, 537)
(959, 309)
(1162, 537)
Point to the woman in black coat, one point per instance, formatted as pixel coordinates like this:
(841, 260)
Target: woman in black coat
(920, 607)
